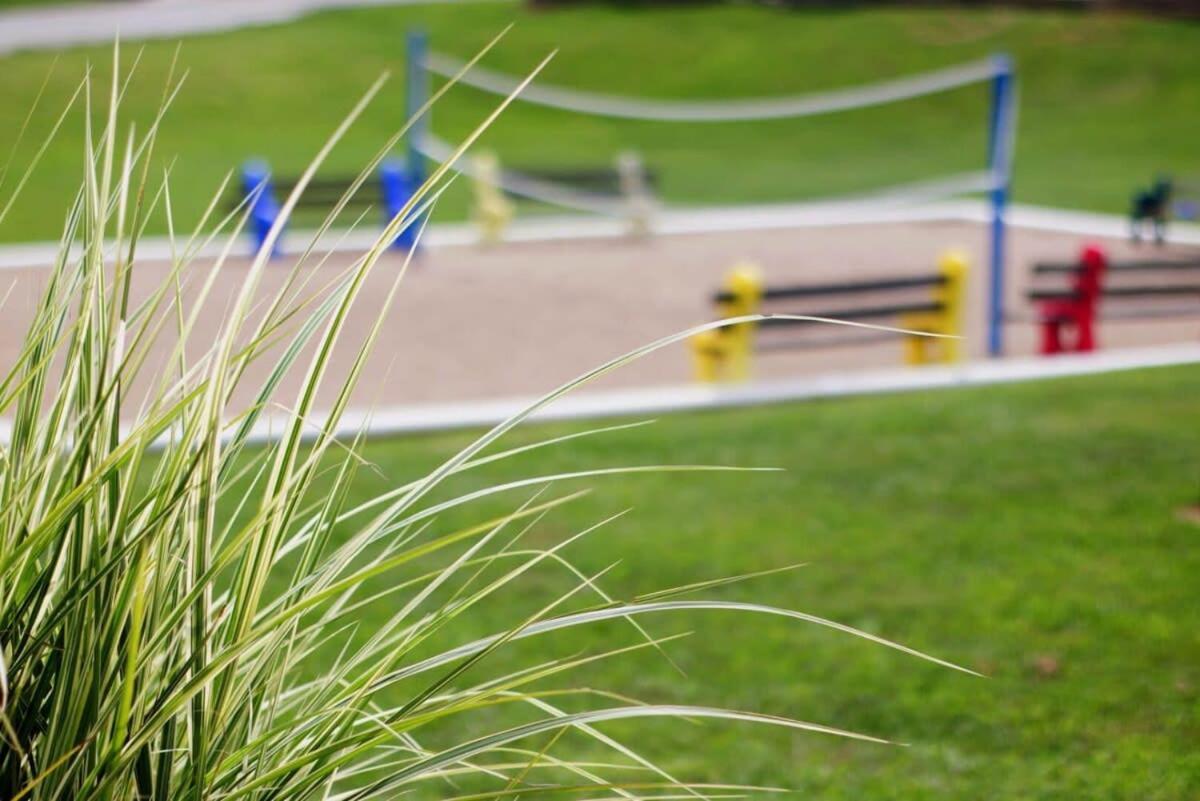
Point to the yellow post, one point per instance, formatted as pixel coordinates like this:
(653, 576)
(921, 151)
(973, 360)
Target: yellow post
(492, 210)
(951, 295)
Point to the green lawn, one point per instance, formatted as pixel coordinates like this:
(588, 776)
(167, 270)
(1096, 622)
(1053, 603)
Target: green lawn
(1107, 100)
(1029, 531)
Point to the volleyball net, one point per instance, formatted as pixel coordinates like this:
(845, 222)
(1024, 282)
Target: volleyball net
(903, 141)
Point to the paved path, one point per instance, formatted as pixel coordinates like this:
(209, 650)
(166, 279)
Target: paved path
(45, 27)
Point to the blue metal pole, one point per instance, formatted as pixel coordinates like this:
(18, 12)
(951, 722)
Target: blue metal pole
(1000, 167)
(415, 96)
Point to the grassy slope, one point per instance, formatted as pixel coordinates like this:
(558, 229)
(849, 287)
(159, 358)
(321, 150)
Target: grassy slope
(1106, 100)
(993, 526)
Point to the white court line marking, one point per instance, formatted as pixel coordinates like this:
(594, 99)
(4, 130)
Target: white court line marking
(675, 222)
(407, 419)
(694, 397)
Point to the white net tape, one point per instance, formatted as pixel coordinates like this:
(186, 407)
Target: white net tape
(716, 110)
(962, 183)
(557, 194)
(528, 186)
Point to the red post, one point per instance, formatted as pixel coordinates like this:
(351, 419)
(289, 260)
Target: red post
(1089, 283)
(1077, 312)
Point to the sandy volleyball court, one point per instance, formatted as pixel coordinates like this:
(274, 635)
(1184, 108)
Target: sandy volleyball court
(516, 319)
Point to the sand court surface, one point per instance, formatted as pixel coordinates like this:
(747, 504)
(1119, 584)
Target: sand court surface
(473, 322)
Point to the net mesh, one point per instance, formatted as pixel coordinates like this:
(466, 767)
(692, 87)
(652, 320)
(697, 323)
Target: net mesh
(908, 139)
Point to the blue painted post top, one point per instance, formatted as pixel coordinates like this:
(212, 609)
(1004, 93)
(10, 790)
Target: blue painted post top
(396, 188)
(1000, 114)
(1002, 63)
(264, 207)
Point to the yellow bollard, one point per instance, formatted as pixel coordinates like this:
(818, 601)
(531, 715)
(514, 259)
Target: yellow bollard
(492, 210)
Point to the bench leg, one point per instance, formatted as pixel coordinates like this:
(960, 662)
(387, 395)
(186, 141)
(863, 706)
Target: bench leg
(708, 356)
(1085, 334)
(1051, 337)
(914, 350)
(927, 350)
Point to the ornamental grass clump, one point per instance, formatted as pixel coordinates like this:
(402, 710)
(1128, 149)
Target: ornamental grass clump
(180, 605)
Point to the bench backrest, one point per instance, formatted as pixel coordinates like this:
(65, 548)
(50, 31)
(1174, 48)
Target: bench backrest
(1133, 278)
(595, 180)
(836, 299)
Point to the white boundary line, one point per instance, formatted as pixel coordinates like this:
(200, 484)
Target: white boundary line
(398, 420)
(677, 221)
(695, 397)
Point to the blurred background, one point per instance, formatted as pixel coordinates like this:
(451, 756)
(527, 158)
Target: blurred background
(1042, 533)
(1107, 96)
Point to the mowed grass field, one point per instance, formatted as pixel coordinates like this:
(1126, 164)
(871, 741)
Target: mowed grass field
(1031, 532)
(1106, 100)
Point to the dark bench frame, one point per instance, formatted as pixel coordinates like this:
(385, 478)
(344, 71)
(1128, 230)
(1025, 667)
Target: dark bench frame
(394, 185)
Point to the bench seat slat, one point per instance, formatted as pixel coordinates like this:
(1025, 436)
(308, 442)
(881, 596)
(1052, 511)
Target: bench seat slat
(846, 287)
(1165, 290)
(1148, 265)
(859, 313)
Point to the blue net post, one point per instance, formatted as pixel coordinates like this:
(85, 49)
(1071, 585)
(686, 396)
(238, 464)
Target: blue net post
(415, 95)
(396, 188)
(1000, 139)
(264, 208)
